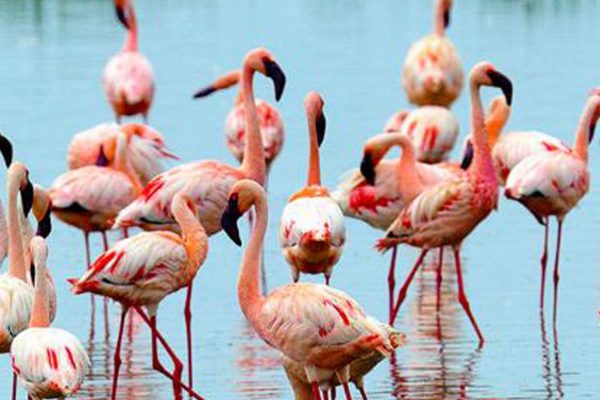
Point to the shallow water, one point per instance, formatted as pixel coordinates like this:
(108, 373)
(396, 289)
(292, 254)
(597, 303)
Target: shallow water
(53, 53)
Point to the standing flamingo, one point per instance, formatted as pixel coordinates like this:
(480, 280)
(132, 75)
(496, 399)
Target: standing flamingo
(128, 78)
(50, 362)
(432, 129)
(142, 270)
(269, 121)
(550, 183)
(433, 74)
(448, 212)
(145, 148)
(312, 232)
(319, 327)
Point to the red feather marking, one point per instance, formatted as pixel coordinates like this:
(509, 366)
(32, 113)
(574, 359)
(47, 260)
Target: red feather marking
(102, 261)
(70, 356)
(323, 332)
(15, 368)
(140, 273)
(339, 311)
(150, 190)
(364, 197)
(550, 146)
(288, 229)
(411, 128)
(431, 137)
(52, 359)
(115, 264)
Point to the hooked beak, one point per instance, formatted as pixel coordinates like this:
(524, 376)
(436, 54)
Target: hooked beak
(229, 220)
(6, 149)
(501, 81)
(592, 131)
(467, 157)
(32, 273)
(167, 154)
(446, 18)
(102, 161)
(274, 71)
(205, 92)
(27, 197)
(367, 169)
(45, 225)
(321, 125)
(121, 15)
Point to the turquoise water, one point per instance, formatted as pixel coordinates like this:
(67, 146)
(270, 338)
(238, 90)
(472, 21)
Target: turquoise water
(351, 51)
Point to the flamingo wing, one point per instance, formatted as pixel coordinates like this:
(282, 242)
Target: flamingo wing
(16, 301)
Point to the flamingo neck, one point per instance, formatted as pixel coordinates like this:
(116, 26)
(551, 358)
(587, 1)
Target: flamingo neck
(582, 135)
(314, 163)
(494, 124)
(16, 257)
(438, 19)
(40, 314)
(249, 292)
(406, 172)
(253, 165)
(122, 163)
(131, 40)
(482, 157)
(195, 239)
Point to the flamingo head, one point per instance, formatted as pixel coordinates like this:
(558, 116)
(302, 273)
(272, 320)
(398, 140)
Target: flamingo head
(243, 195)
(593, 105)
(42, 210)
(121, 10)
(262, 60)
(19, 174)
(6, 149)
(373, 152)
(485, 74)
(313, 104)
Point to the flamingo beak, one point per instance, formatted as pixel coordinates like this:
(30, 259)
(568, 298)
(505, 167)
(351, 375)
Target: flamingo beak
(229, 220)
(321, 125)
(367, 168)
(45, 225)
(205, 92)
(32, 273)
(592, 131)
(501, 81)
(102, 161)
(27, 197)
(121, 15)
(446, 18)
(274, 71)
(6, 149)
(467, 157)
(167, 154)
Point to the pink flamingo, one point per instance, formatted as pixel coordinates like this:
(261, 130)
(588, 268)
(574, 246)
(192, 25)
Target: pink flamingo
(445, 214)
(142, 270)
(269, 120)
(50, 362)
(128, 78)
(432, 129)
(145, 148)
(551, 182)
(312, 232)
(319, 327)
(433, 74)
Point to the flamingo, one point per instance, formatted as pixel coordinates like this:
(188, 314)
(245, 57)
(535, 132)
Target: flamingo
(445, 214)
(432, 129)
(145, 149)
(312, 232)
(128, 78)
(142, 270)
(321, 328)
(50, 362)
(433, 73)
(269, 121)
(550, 183)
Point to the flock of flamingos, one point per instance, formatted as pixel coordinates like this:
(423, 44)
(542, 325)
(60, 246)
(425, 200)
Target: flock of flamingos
(326, 339)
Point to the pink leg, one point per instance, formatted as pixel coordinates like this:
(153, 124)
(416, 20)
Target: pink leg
(105, 240)
(105, 300)
(544, 262)
(117, 357)
(327, 280)
(392, 282)
(363, 393)
(88, 258)
(14, 387)
(438, 281)
(407, 282)
(347, 391)
(125, 233)
(333, 393)
(188, 331)
(315, 391)
(325, 394)
(556, 275)
(462, 296)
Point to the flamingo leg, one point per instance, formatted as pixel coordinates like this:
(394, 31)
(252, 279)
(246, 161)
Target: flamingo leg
(333, 393)
(363, 393)
(117, 357)
(188, 331)
(315, 391)
(462, 296)
(14, 387)
(157, 365)
(105, 299)
(556, 275)
(125, 233)
(392, 282)
(347, 391)
(544, 262)
(325, 394)
(407, 282)
(438, 280)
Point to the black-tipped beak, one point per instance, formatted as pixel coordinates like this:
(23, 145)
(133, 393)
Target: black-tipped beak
(32, 273)
(446, 18)
(501, 81)
(204, 92)
(274, 71)
(27, 197)
(367, 169)
(229, 220)
(121, 16)
(592, 131)
(6, 149)
(45, 225)
(321, 125)
(102, 161)
(467, 156)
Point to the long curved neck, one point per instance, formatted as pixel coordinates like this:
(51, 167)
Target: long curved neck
(121, 162)
(253, 165)
(131, 40)
(406, 172)
(494, 123)
(314, 163)
(482, 157)
(582, 135)
(15, 242)
(249, 292)
(40, 315)
(194, 238)
(438, 18)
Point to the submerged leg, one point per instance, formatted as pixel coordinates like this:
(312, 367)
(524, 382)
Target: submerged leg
(544, 262)
(117, 356)
(14, 387)
(347, 391)
(392, 282)
(462, 296)
(438, 280)
(407, 282)
(315, 391)
(188, 331)
(556, 275)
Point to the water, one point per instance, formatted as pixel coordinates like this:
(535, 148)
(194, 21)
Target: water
(52, 56)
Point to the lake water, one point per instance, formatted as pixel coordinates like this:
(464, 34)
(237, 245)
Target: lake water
(351, 51)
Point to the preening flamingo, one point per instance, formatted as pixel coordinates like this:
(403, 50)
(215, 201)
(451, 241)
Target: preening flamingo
(146, 148)
(433, 73)
(50, 362)
(142, 270)
(128, 79)
(551, 182)
(445, 214)
(321, 328)
(312, 232)
(432, 129)
(269, 121)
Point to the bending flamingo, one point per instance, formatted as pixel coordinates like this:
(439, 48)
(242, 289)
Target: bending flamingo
(447, 213)
(551, 182)
(312, 232)
(142, 270)
(433, 74)
(319, 327)
(50, 362)
(269, 121)
(146, 148)
(128, 78)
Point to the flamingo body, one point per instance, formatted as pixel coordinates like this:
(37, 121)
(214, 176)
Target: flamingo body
(16, 300)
